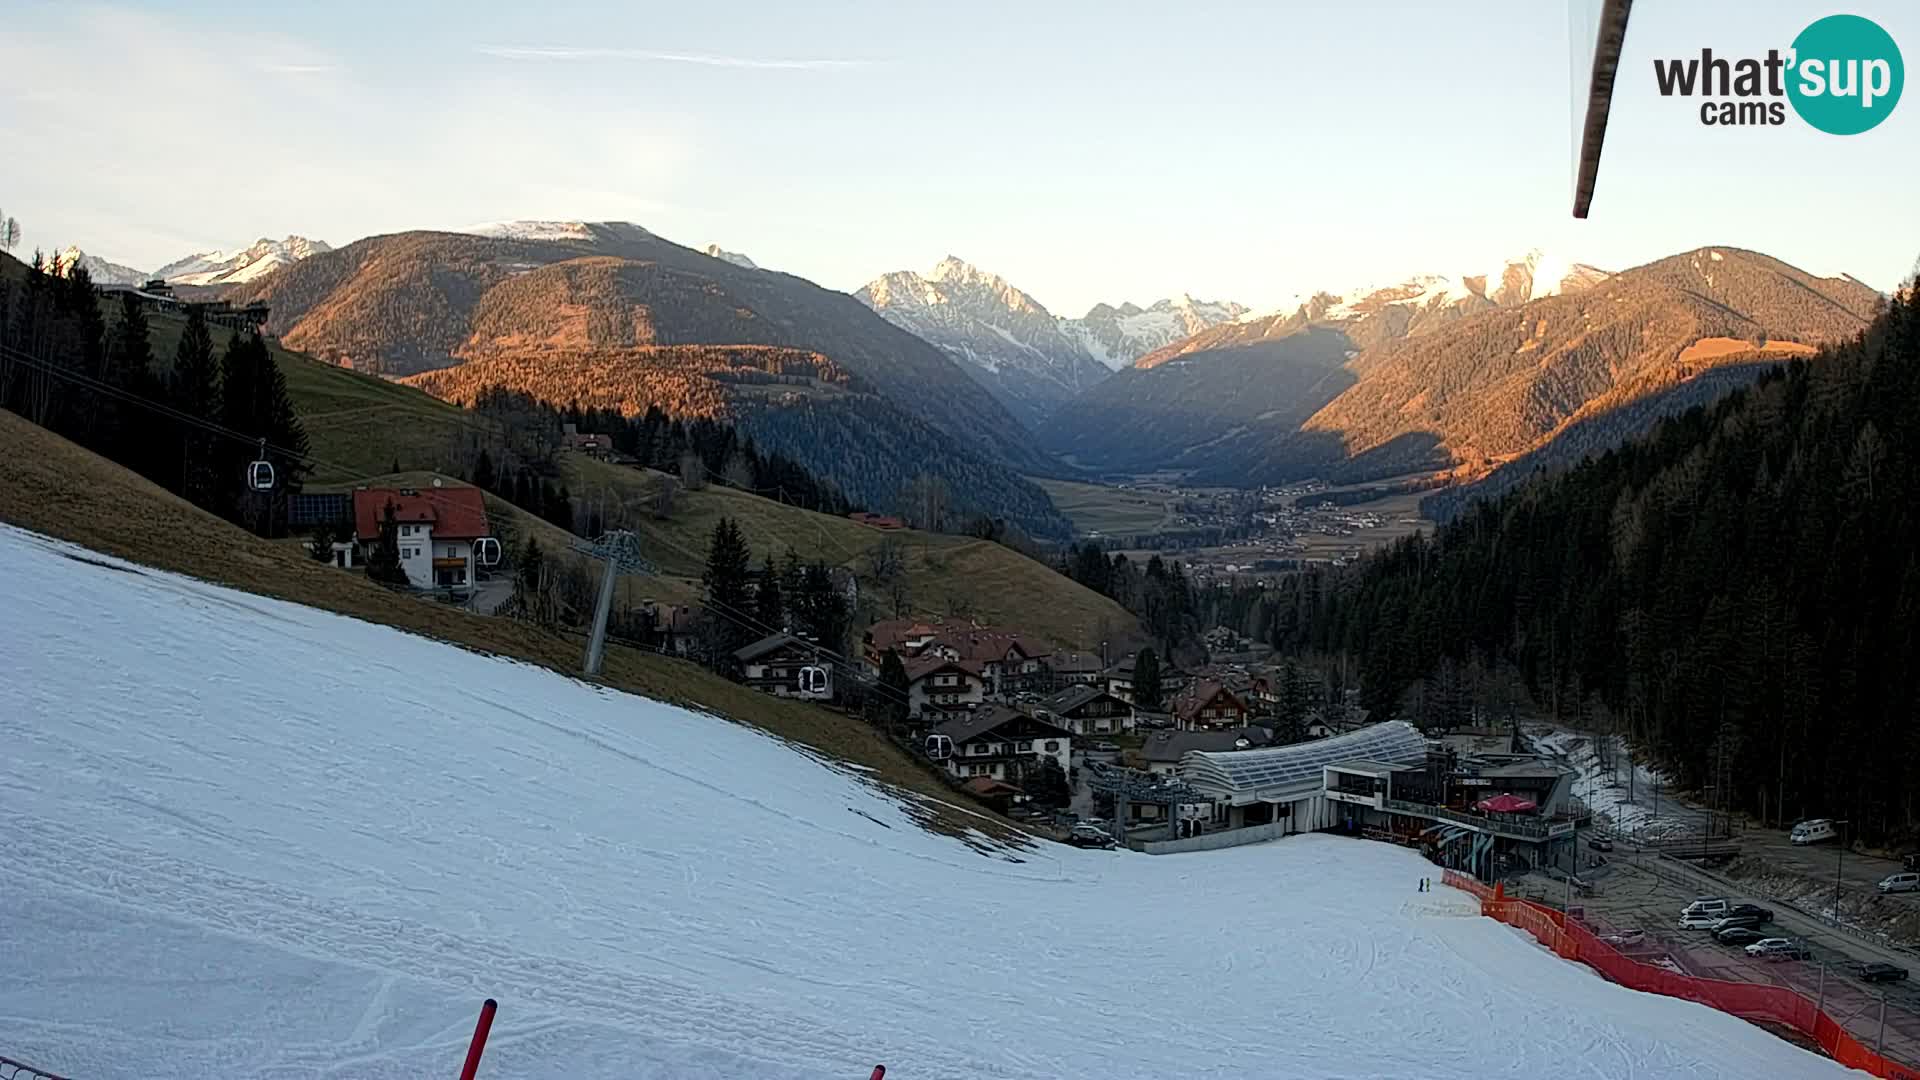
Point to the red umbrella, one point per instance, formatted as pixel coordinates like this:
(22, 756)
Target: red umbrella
(1505, 804)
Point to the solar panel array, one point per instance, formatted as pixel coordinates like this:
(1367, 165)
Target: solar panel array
(1248, 770)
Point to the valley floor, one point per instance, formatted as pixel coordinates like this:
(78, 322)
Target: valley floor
(247, 838)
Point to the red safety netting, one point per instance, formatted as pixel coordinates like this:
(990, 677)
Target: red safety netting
(1749, 1001)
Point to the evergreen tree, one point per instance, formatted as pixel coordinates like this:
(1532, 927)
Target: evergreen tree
(383, 562)
(725, 579)
(130, 367)
(254, 402)
(769, 608)
(1146, 680)
(895, 687)
(483, 471)
(1290, 712)
(821, 610)
(194, 389)
(1047, 786)
(559, 509)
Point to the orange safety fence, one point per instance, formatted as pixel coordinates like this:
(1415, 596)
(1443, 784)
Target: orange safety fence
(1749, 1001)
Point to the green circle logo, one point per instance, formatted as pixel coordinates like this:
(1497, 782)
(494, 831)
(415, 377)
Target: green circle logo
(1846, 76)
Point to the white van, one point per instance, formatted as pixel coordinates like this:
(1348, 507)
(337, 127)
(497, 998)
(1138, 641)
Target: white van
(1908, 882)
(1709, 906)
(1814, 831)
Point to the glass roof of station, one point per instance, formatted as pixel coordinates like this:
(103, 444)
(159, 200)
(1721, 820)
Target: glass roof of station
(1248, 770)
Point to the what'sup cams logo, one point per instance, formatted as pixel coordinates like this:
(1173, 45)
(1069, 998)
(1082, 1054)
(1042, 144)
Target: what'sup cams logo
(1842, 75)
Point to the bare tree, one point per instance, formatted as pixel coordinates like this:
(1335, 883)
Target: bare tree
(926, 499)
(9, 233)
(888, 559)
(738, 474)
(693, 471)
(663, 498)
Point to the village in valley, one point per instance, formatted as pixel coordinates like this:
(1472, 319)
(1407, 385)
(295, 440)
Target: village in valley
(1225, 534)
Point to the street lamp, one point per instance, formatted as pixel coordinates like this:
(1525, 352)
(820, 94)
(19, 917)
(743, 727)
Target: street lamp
(1839, 859)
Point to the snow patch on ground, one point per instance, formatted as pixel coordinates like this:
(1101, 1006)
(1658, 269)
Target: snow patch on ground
(1605, 787)
(246, 838)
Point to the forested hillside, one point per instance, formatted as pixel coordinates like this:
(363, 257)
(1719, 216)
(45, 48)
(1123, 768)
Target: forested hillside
(689, 333)
(790, 400)
(1740, 591)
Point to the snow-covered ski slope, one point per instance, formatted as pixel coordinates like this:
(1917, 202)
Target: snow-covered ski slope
(242, 838)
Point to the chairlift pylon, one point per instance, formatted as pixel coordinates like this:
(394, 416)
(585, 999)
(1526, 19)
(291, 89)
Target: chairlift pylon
(260, 473)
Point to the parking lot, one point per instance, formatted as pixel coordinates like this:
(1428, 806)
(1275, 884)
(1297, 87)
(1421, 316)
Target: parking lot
(1637, 891)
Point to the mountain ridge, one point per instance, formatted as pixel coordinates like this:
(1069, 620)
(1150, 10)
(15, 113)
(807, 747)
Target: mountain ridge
(411, 302)
(1440, 376)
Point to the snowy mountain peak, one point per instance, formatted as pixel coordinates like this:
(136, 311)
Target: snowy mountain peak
(531, 230)
(1117, 336)
(1016, 347)
(955, 269)
(236, 267)
(1515, 281)
(733, 257)
(100, 270)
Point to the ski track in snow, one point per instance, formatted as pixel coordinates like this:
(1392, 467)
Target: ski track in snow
(243, 838)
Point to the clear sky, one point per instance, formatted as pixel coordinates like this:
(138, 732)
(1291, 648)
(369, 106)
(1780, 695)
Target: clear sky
(1087, 151)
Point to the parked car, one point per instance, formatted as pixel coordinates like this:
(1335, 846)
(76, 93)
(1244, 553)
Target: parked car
(1699, 920)
(1599, 843)
(1706, 905)
(1763, 914)
(1090, 836)
(1626, 937)
(1728, 922)
(1739, 935)
(1778, 948)
(1107, 747)
(1879, 972)
(1813, 831)
(1905, 881)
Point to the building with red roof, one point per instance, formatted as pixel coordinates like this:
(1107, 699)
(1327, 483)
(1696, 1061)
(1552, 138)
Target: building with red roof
(437, 528)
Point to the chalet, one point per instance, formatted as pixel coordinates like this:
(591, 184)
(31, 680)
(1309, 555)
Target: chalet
(773, 664)
(1164, 749)
(1006, 662)
(1119, 680)
(668, 628)
(997, 794)
(1208, 705)
(597, 446)
(437, 528)
(937, 685)
(1005, 744)
(1089, 710)
(1075, 669)
(876, 521)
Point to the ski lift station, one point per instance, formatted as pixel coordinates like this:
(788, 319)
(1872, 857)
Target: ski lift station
(1473, 812)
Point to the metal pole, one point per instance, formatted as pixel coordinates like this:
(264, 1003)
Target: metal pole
(1820, 1002)
(479, 1040)
(1839, 860)
(1573, 863)
(597, 643)
(1881, 1048)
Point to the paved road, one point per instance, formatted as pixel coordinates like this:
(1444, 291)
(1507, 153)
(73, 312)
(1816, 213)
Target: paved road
(1632, 895)
(489, 595)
